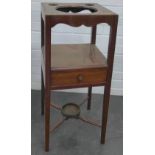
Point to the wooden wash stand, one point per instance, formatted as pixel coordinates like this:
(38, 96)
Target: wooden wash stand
(75, 65)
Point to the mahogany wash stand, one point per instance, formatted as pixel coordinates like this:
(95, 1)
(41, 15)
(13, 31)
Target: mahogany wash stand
(75, 65)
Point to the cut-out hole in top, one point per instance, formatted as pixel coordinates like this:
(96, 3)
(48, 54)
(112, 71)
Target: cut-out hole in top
(79, 9)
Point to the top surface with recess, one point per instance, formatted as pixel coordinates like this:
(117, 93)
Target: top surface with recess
(67, 9)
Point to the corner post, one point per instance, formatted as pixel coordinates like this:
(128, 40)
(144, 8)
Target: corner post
(47, 36)
(110, 60)
(93, 41)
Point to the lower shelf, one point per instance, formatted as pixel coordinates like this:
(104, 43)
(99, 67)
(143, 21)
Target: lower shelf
(73, 56)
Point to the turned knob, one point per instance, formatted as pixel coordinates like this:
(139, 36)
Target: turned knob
(80, 78)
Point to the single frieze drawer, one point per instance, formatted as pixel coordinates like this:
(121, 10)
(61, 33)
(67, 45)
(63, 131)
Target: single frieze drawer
(78, 77)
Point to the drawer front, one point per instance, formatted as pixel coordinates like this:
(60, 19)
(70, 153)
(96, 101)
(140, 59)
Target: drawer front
(78, 77)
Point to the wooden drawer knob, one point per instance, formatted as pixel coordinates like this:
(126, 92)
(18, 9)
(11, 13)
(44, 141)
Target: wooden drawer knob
(80, 78)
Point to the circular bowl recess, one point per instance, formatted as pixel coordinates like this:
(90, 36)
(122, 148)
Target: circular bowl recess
(71, 110)
(75, 9)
